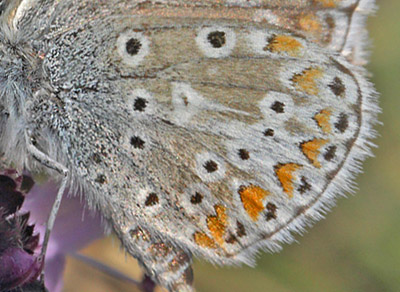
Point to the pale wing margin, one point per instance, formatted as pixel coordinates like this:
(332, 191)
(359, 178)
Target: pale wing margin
(356, 41)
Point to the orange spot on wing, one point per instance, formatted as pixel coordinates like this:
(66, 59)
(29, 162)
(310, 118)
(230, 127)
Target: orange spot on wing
(322, 119)
(203, 240)
(310, 23)
(311, 150)
(306, 80)
(252, 198)
(285, 176)
(284, 43)
(327, 3)
(217, 224)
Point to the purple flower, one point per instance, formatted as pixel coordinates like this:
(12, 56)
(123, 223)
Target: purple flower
(18, 262)
(23, 216)
(24, 209)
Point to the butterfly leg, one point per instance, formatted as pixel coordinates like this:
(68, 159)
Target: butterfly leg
(50, 163)
(166, 264)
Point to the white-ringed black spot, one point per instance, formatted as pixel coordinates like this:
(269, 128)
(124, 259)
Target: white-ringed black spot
(337, 86)
(271, 214)
(244, 154)
(305, 186)
(278, 107)
(330, 153)
(343, 123)
(217, 39)
(133, 46)
(197, 198)
(269, 132)
(151, 200)
(211, 166)
(139, 104)
(137, 142)
(216, 42)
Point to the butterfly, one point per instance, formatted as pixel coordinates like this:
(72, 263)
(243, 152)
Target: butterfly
(197, 128)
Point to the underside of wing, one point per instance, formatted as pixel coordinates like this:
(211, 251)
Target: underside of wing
(215, 131)
(242, 133)
(338, 25)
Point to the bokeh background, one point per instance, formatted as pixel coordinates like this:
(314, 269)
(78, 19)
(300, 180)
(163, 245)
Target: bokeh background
(356, 248)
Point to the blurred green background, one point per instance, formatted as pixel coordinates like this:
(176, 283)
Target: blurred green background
(356, 248)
